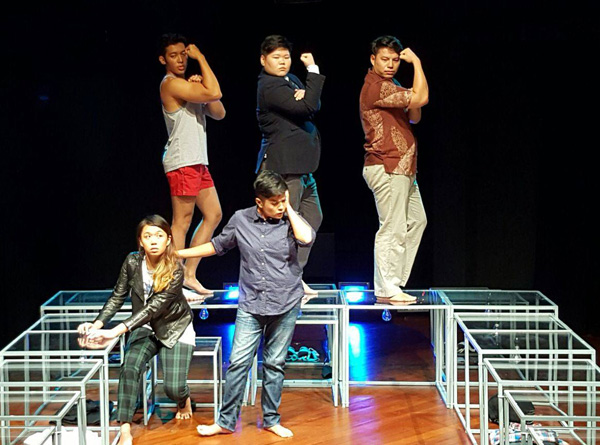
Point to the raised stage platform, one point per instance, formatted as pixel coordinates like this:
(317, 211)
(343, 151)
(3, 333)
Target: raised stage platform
(394, 373)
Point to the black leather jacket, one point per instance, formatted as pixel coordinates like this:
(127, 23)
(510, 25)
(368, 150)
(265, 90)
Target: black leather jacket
(168, 312)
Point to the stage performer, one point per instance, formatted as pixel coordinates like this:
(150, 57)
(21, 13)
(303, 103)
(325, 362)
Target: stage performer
(386, 111)
(161, 321)
(270, 292)
(291, 144)
(185, 105)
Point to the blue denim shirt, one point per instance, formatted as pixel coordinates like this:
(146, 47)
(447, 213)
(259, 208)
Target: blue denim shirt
(270, 277)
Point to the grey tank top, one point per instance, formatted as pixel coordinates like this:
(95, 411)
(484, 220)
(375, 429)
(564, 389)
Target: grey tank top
(187, 136)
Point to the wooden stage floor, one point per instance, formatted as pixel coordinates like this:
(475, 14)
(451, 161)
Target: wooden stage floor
(395, 350)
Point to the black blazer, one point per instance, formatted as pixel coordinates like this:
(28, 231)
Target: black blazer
(290, 140)
(168, 312)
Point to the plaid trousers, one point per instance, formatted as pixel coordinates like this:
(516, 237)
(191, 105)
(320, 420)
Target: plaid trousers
(175, 363)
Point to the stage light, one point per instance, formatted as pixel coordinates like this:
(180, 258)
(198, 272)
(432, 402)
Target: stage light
(359, 354)
(355, 292)
(233, 291)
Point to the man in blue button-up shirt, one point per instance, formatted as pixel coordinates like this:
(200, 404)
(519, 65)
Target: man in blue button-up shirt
(270, 283)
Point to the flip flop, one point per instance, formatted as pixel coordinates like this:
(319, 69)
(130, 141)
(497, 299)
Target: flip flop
(292, 355)
(307, 354)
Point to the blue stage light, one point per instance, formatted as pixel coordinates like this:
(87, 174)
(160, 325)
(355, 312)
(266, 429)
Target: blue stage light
(233, 291)
(355, 292)
(359, 354)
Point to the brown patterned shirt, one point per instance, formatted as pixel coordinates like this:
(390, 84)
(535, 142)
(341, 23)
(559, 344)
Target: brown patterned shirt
(388, 137)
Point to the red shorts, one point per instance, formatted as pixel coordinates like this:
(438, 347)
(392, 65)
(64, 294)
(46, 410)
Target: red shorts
(188, 181)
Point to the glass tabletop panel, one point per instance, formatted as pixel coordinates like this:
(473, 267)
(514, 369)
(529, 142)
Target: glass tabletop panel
(494, 298)
(367, 300)
(70, 321)
(543, 435)
(80, 298)
(224, 299)
(57, 342)
(220, 299)
(518, 342)
(25, 435)
(556, 405)
(504, 321)
(51, 371)
(41, 404)
(544, 370)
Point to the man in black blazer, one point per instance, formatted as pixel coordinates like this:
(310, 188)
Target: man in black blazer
(291, 144)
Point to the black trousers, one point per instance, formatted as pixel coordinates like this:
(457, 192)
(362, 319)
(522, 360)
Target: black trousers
(305, 200)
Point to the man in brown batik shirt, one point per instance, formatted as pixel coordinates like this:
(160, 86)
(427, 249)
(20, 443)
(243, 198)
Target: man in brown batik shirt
(386, 111)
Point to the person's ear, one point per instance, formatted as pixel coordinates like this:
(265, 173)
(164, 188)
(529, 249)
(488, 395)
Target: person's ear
(263, 60)
(162, 60)
(259, 203)
(373, 59)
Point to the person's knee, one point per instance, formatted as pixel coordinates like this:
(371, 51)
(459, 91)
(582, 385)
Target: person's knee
(213, 218)
(422, 222)
(175, 391)
(182, 220)
(274, 363)
(131, 370)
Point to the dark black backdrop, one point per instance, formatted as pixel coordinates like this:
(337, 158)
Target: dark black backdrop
(507, 159)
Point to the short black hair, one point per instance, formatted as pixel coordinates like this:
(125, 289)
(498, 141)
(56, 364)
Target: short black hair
(268, 184)
(169, 39)
(390, 42)
(272, 42)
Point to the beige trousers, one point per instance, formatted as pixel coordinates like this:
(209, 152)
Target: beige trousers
(402, 221)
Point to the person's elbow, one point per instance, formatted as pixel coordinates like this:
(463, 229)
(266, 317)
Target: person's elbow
(418, 101)
(414, 116)
(219, 115)
(215, 95)
(211, 94)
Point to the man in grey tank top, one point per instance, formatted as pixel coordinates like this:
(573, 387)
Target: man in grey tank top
(185, 104)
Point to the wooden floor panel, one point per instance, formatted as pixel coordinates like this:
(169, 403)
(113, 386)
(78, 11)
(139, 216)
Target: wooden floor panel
(399, 415)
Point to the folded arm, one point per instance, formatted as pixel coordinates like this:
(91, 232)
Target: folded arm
(280, 97)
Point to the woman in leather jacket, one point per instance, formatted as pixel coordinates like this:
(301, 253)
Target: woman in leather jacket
(161, 321)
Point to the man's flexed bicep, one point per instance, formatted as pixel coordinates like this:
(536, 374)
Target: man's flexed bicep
(189, 91)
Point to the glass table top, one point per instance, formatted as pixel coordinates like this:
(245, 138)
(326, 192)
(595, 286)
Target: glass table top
(70, 321)
(220, 299)
(25, 435)
(94, 299)
(542, 435)
(494, 298)
(582, 371)
(509, 342)
(506, 321)
(47, 372)
(56, 342)
(41, 404)
(80, 298)
(556, 404)
(367, 299)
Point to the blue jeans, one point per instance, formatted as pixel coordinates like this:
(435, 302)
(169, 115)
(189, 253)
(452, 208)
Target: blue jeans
(277, 331)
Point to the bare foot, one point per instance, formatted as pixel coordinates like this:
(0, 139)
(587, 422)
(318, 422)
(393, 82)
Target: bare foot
(126, 438)
(280, 431)
(389, 302)
(308, 290)
(211, 430)
(193, 297)
(185, 412)
(193, 284)
(403, 297)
